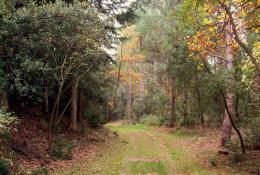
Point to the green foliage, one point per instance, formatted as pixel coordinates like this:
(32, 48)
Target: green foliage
(236, 158)
(5, 166)
(95, 115)
(49, 45)
(213, 160)
(155, 101)
(40, 171)
(152, 120)
(62, 148)
(253, 136)
(7, 120)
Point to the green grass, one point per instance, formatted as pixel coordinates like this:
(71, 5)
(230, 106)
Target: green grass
(182, 161)
(127, 128)
(147, 168)
(187, 165)
(147, 151)
(177, 154)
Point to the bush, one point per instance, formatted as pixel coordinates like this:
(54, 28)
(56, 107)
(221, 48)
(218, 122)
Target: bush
(40, 171)
(62, 149)
(252, 134)
(95, 116)
(235, 155)
(164, 120)
(7, 119)
(255, 133)
(213, 160)
(5, 166)
(95, 121)
(236, 158)
(152, 120)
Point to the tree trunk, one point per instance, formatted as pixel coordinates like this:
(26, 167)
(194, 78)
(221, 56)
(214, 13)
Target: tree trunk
(200, 111)
(113, 107)
(46, 99)
(81, 105)
(129, 102)
(237, 114)
(243, 150)
(3, 100)
(141, 96)
(107, 111)
(185, 108)
(173, 105)
(74, 107)
(227, 126)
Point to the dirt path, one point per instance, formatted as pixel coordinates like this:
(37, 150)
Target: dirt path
(141, 150)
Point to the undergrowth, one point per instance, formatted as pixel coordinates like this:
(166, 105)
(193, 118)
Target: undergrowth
(62, 149)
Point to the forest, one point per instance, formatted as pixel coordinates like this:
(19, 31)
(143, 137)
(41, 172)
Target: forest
(130, 87)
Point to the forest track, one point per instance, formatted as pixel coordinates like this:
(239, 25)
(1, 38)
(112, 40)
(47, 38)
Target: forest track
(142, 150)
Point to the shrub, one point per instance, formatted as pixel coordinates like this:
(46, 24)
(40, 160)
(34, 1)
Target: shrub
(95, 116)
(62, 149)
(213, 160)
(236, 158)
(40, 171)
(164, 120)
(95, 121)
(7, 119)
(254, 135)
(235, 155)
(5, 166)
(152, 120)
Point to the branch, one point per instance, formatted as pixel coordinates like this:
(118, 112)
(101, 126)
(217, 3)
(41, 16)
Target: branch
(237, 39)
(58, 121)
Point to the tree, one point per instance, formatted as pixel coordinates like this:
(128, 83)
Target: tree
(63, 43)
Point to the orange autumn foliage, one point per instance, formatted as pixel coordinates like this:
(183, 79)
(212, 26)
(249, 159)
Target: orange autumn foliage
(209, 41)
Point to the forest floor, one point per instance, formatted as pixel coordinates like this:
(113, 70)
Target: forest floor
(155, 151)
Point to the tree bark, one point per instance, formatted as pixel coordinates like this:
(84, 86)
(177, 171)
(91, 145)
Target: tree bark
(173, 105)
(200, 111)
(74, 106)
(230, 118)
(229, 98)
(129, 102)
(46, 99)
(227, 126)
(109, 117)
(141, 96)
(185, 108)
(81, 105)
(243, 150)
(3, 100)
